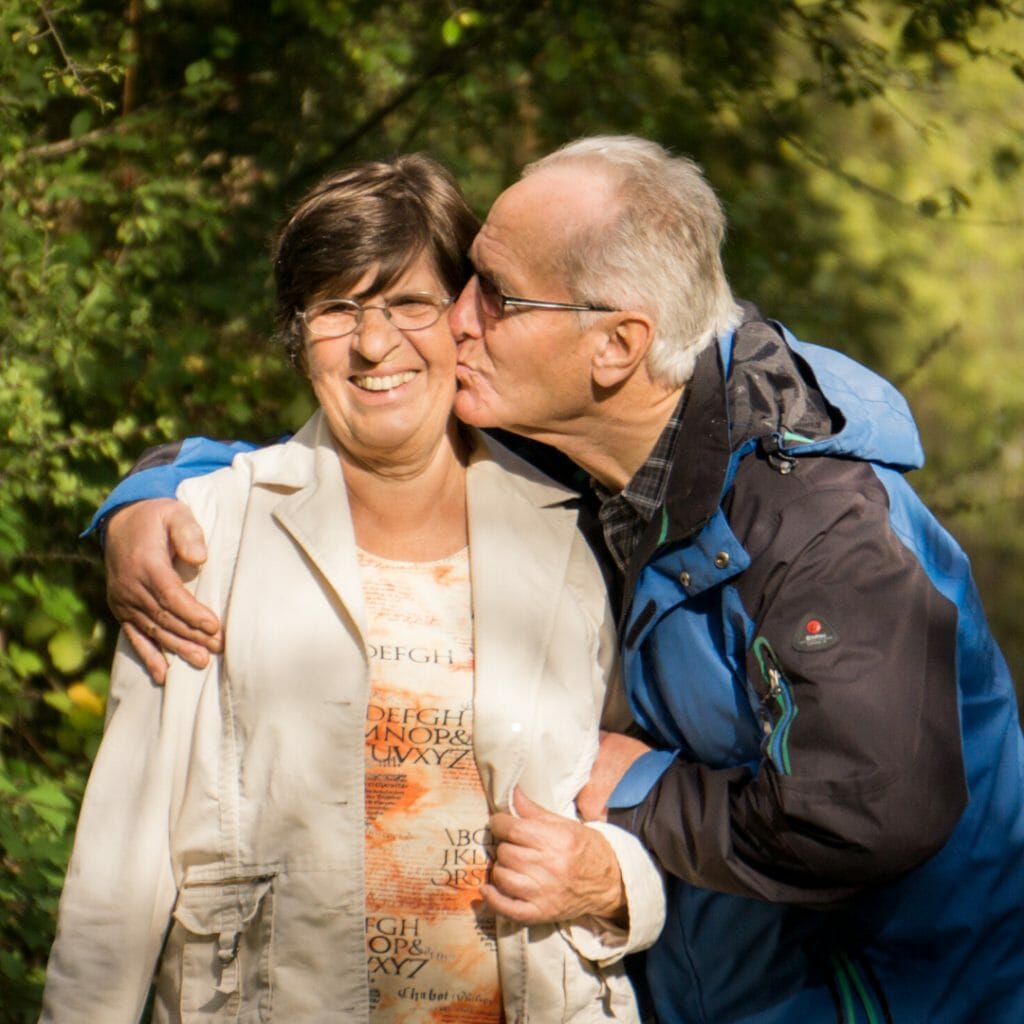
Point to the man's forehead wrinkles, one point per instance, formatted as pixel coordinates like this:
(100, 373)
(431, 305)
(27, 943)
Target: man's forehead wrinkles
(494, 257)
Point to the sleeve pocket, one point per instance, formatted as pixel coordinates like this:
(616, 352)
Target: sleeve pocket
(222, 937)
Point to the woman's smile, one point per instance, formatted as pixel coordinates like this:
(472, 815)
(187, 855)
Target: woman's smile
(382, 382)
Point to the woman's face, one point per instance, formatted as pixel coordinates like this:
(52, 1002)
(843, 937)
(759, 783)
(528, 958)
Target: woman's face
(387, 393)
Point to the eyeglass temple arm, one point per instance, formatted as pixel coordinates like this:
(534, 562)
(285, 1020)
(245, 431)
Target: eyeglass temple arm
(513, 300)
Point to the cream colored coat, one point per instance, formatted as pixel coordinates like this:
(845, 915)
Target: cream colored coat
(230, 806)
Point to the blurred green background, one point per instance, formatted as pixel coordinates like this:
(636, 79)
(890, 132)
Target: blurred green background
(869, 155)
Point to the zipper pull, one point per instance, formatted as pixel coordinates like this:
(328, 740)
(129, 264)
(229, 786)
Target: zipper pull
(771, 445)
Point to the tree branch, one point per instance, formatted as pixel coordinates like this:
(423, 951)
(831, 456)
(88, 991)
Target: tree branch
(927, 354)
(65, 146)
(68, 62)
(129, 92)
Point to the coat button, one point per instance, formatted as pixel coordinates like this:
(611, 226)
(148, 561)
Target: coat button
(722, 559)
(684, 578)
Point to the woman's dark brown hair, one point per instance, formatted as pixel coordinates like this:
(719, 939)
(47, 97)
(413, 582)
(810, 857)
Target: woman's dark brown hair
(383, 214)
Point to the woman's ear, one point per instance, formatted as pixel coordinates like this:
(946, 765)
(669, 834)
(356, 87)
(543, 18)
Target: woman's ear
(622, 349)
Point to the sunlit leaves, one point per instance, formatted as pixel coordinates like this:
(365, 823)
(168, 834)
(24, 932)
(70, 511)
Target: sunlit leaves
(454, 27)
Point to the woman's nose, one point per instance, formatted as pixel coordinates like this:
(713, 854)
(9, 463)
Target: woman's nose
(376, 337)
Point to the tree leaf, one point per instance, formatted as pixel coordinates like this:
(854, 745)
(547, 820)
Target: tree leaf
(451, 31)
(199, 71)
(67, 651)
(83, 697)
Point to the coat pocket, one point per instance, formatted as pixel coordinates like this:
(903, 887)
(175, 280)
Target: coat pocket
(222, 938)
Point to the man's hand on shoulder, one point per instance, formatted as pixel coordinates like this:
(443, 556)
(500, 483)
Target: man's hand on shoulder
(145, 592)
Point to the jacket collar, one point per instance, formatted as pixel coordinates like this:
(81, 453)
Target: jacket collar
(698, 474)
(309, 458)
(313, 508)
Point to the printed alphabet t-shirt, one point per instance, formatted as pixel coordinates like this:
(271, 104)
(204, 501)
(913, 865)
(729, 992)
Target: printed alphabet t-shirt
(431, 953)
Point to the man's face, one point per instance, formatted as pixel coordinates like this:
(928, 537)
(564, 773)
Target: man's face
(529, 370)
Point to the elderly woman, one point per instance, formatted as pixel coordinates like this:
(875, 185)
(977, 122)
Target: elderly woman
(414, 627)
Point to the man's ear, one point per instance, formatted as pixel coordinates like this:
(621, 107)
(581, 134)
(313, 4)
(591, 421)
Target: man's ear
(623, 349)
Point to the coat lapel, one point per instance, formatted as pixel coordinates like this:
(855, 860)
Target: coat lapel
(521, 534)
(316, 513)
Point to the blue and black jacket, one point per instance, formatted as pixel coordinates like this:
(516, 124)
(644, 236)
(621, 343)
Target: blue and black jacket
(838, 793)
(838, 790)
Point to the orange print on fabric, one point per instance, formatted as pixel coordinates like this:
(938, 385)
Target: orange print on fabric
(431, 950)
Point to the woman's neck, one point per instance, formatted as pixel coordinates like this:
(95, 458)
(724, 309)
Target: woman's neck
(414, 513)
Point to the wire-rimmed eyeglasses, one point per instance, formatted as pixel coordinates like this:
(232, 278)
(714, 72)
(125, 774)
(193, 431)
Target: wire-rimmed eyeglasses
(334, 318)
(495, 302)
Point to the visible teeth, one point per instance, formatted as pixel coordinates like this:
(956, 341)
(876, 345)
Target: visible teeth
(384, 383)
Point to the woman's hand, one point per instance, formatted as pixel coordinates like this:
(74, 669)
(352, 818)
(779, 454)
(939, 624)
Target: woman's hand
(146, 594)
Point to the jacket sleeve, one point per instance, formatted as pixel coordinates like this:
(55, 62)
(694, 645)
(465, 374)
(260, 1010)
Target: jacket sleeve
(120, 888)
(159, 472)
(854, 661)
(606, 943)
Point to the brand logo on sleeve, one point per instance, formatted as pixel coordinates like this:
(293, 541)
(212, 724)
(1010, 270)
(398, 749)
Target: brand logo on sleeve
(814, 633)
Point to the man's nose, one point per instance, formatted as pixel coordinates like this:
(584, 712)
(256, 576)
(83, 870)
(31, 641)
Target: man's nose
(464, 315)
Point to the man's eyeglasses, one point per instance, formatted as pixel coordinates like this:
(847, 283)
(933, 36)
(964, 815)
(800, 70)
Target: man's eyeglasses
(334, 318)
(495, 303)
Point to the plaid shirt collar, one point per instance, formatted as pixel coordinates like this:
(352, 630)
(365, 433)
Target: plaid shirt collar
(625, 515)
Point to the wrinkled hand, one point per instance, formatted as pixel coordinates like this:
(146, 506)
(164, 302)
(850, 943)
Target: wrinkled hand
(145, 592)
(548, 868)
(614, 758)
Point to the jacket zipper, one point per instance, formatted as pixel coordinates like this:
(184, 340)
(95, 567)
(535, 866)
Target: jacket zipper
(778, 709)
(854, 980)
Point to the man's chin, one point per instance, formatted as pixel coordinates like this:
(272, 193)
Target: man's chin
(473, 412)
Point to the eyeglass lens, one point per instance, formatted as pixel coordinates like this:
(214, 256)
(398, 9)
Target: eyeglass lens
(491, 299)
(334, 318)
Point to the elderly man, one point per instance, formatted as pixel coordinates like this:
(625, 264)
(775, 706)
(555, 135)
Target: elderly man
(832, 774)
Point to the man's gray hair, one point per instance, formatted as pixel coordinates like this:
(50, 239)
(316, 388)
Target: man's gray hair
(658, 250)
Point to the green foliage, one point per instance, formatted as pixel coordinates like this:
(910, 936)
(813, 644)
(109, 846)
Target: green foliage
(869, 155)
(37, 808)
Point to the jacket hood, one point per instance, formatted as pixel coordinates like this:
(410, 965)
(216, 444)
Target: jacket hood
(761, 387)
(820, 401)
